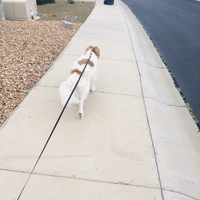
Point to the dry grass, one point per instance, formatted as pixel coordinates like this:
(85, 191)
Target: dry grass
(58, 10)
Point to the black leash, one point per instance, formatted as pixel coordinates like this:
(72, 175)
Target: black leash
(54, 127)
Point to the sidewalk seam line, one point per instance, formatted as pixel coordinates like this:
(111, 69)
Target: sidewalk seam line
(97, 91)
(98, 181)
(167, 104)
(82, 179)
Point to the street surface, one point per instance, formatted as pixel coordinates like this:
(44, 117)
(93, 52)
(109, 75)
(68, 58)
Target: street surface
(174, 28)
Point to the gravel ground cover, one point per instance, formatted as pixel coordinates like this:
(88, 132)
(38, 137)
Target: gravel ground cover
(28, 49)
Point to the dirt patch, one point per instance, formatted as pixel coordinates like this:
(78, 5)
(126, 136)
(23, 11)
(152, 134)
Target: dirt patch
(58, 10)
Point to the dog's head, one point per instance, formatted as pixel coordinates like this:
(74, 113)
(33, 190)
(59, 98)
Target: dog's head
(94, 49)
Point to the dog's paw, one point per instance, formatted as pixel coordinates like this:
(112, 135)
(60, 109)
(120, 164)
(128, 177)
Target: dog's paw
(92, 89)
(81, 115)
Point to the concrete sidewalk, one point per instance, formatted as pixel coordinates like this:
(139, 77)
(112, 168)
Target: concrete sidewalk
(136, 141)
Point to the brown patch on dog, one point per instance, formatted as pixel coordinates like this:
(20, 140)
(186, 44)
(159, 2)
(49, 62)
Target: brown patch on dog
(75, 71)
(95, 50)
(84, 61)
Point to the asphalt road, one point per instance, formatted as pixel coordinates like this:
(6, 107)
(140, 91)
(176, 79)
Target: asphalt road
(174, 28)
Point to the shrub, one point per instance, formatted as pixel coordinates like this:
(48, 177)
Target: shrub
(71, 1)
(40, 2)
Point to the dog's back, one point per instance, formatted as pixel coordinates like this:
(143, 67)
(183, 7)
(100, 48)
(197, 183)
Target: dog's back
(87, 81)
(66, 88)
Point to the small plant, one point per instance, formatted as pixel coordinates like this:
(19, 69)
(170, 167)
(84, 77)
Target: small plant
(192, 114)
(188, 106)
(184, 98)
(71, 1)
(40, 2)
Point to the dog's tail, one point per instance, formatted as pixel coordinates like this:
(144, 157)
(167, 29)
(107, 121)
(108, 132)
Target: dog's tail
(65, 90)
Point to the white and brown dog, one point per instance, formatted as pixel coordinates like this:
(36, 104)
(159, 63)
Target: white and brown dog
(87, 81)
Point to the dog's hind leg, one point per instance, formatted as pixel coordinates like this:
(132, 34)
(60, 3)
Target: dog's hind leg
(92, 84)
(82, 99)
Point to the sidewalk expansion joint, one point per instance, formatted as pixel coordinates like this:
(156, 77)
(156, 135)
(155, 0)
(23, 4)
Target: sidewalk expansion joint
(81, 179)
(47, 86)
(164, 103)
(103, 58)
(154, 66)
(97, 91)
(180, 193)
(116, 59)
(95, 181)
(115, 93)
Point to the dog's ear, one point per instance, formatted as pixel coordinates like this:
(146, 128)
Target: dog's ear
(96, 50)
(88, 48)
